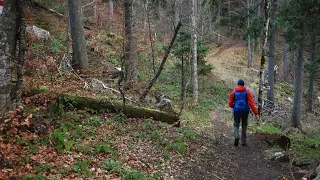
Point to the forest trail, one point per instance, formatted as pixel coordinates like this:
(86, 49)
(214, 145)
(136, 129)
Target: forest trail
(227, 46)
(219, 158)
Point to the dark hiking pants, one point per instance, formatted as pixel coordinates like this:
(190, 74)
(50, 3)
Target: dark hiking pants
(241, 116)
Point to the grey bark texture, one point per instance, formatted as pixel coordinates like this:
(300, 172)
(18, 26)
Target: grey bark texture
(22, 49)
(250, 55)
(263, 58)
(8, 29)
(79, 49)
(111, 8)
(194, 63)
(298, 88)
(286, 61)
(270, 93)
(312, 70)
(130, 64)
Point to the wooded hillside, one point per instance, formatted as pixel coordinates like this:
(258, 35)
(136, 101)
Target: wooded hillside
(107, 89)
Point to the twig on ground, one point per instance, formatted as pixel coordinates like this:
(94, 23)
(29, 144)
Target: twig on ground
(290, 168)
(218, 177)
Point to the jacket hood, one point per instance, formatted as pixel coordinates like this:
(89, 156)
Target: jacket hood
(240, 88)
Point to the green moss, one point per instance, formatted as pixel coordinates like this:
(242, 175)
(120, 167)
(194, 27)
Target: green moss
(265, 128)
(305, 148)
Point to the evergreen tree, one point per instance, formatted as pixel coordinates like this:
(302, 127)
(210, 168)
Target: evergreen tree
(299, 18)
(182, 52)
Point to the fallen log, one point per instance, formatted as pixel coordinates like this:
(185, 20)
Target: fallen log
(129, 110)
(318, 173)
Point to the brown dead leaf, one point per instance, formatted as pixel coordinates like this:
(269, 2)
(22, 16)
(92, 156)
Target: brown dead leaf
(27, 120)
(28, 166)
(2, 175)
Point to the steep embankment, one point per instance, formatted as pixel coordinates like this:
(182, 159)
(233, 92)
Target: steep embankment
(230, 62)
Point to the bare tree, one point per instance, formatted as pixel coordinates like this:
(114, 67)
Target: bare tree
(298, 88)
(285, 60)
(270, 93)
(263, 58)
(129, 61)
(8, 38)
(22, 49)
(194, 63)
(311, 72)
(146, 7)
(154, 79)
(79, 50)
(111, 8)
(250, 49)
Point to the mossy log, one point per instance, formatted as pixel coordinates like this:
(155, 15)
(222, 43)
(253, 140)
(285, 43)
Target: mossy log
(129, 110)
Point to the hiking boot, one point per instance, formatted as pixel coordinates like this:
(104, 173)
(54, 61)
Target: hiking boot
(244, 144)
(236, 141)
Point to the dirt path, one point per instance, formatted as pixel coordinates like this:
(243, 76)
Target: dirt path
(218, 158)
(227, 46)
(221, 160)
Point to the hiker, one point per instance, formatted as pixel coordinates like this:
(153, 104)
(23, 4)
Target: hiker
(241, 101)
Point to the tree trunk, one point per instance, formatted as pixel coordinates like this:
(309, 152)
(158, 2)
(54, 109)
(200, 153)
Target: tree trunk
(115, 107)
(154, 79)
(229, 18)
(111, 8)
(249, 38)
(130, 65)
(182, 82)
(8, 38)
(194, 63)
(150, 38)
(270, 93)
(79, 50)
(258, 42)
(286, 67)
(22, 49)
(263, 58)
(176, 9)
(312, 70)
(67, 27)
(298, 89)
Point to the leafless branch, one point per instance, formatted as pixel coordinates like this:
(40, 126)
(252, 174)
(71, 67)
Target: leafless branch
(88, 4)
(114, 90)
(290, 167)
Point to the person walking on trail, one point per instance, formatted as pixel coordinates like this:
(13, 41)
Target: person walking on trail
(241, 100)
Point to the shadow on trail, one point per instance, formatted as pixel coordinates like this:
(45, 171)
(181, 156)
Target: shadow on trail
(221, 160)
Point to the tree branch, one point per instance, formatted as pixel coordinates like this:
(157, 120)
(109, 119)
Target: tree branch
(154, 79)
